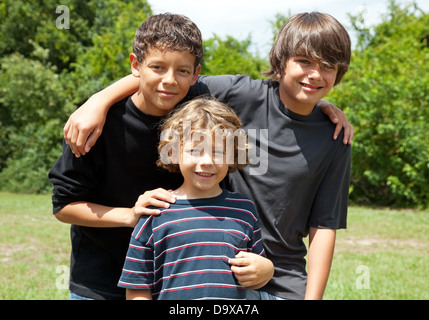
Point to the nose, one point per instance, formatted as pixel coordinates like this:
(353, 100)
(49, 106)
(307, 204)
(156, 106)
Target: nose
(314, 72)
(169, 77)
(206, 159)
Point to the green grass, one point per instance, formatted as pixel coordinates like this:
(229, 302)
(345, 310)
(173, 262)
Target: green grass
(383, 254)
(34, 246)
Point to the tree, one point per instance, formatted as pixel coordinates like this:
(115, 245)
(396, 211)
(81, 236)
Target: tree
(386, 95)
(33, 109)
(231, 56)
(46, 72)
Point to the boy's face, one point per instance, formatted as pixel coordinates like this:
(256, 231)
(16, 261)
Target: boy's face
(304, 83)
(165, 78)
(203, 167)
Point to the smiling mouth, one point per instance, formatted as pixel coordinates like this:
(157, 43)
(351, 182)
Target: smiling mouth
(167, 93)
(308, 86)
(204, 174)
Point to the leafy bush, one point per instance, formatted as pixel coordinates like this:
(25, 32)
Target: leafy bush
(386, 95)
(46, 73)
(33, 108)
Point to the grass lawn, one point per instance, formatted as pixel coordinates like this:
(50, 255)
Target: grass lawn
(384, 254)
(34, 246)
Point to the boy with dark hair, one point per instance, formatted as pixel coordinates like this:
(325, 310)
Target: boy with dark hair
(305, 188)
(96, 193)
(301, 186)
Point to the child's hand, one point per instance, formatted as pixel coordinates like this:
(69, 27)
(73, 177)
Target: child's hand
(157, 198)
(251, 270)
(84, 127)
(340, 119)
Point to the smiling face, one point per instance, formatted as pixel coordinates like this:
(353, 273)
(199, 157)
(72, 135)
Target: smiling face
(203, 167)
(304, 82)
(165, 78)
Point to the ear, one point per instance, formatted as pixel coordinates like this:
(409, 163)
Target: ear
(135, 65)
(196, 74)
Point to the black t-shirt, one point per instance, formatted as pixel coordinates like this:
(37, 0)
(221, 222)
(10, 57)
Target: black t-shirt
(120, 167)
(299, 176)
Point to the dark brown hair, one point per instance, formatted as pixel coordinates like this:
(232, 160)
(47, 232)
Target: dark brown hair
(317, 36)
(168, 32)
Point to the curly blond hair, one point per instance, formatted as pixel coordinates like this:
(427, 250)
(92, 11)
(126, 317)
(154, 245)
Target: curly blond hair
(203, 113)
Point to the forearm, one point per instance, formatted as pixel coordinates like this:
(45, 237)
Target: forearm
(94, 215)
(320, 253)
(116, 92)
(138, 294)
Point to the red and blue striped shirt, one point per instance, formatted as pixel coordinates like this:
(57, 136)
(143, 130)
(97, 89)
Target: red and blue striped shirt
(183, 253)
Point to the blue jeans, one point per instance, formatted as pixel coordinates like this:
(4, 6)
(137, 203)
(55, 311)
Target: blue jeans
(74, 296)
(260, 295)
(250, 295)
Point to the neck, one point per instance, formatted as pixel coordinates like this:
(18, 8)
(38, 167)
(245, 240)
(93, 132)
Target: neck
(183, 193)
(299, 108)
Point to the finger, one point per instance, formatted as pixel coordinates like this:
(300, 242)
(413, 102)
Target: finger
(92, 139)
(73, 136)
(337, 131)
(346, 134)
(239, 262)
(241, 273)
(146, 211)
(159, 198)
(351, 134)
(166, 195)
(72, 146)
(157, 203)
(332, 114)
(66, 131)
(81, 139)
(75, 151)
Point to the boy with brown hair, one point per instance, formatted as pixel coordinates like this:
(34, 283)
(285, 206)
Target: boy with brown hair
(184, 253)
(96, 193)
(301, 186)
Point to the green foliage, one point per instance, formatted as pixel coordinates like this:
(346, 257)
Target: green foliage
(231, 56)
(386, 94)
(33, 108)
(47, 72)
(107, 59)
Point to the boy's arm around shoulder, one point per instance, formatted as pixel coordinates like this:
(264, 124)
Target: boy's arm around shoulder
(339, 118)
(85, 125)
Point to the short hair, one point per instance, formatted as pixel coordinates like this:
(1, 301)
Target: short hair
(317, 36)
(168, 31)
(205, 112)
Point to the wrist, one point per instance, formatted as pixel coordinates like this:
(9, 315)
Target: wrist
(100, 102)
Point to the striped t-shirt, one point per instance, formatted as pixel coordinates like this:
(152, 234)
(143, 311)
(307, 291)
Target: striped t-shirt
(183, 253)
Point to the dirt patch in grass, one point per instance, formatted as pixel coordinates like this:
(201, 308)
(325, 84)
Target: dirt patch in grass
(9, 252)
(380, 244)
